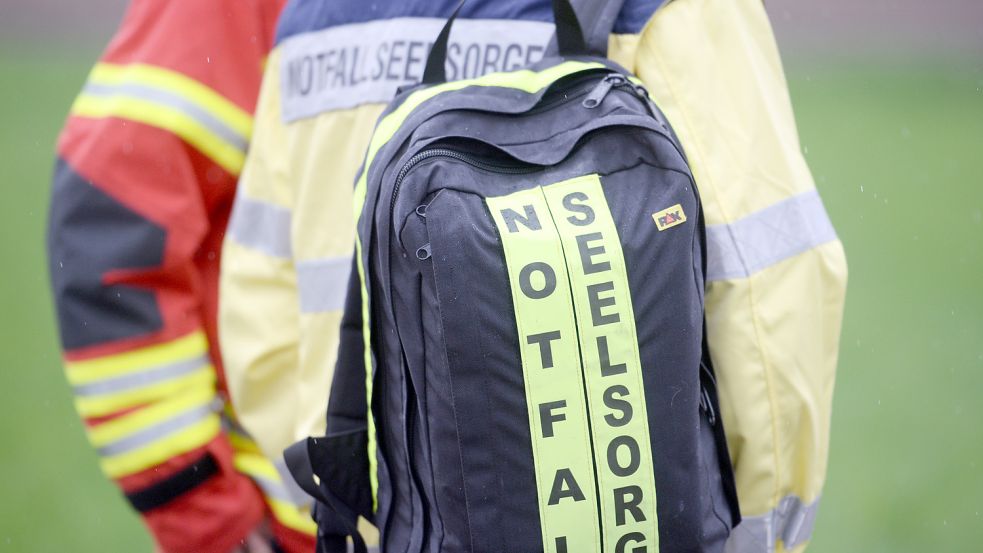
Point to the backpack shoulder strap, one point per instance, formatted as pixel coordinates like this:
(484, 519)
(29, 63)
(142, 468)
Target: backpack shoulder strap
(597, 17)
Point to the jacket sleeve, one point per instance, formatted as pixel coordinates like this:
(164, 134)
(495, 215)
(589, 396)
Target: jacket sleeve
(146, 165)
(259, 309)
(776, 270)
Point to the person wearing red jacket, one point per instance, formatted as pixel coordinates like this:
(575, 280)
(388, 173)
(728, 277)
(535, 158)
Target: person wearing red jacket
(145, 177)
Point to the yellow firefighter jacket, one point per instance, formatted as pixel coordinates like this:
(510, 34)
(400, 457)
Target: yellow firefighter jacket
(777, 272)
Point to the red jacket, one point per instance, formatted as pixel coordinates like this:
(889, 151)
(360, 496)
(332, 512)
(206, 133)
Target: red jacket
(146, 174)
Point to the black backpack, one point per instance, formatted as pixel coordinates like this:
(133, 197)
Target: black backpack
(529, 305)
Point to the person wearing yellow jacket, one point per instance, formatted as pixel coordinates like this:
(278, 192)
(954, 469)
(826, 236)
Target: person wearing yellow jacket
(776, 270)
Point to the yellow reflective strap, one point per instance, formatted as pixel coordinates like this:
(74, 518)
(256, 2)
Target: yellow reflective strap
(187, 439)
(526, 80)
(551, 370)
(101, 368)
(164, 79)
(367, 349)
(98, 406)
(612, 367)
(228, 156)
(131, 423)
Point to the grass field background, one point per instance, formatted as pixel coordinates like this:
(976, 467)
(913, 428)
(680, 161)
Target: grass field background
(897, 151)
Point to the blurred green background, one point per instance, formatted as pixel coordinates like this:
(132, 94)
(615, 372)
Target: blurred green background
(889, 100)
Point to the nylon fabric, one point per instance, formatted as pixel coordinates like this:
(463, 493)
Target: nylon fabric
(83, 214)
(524, 80)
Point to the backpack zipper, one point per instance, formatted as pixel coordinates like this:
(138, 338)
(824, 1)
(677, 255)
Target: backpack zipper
(419, 157)
(595, 96)
(609, 82)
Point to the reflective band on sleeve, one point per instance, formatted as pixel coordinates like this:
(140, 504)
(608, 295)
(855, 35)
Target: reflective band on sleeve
(291, 508)
(552, 372)
(149, 435)
(767, 237)
(322, 283)
(261, 226)
(174, 101)
(140, 379)
(115, 383)
(156, 432)
(791, 522)
(612, 367)
(191, 346)
(171, 101)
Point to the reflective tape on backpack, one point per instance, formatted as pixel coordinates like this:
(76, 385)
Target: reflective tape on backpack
(585, 398)
(552, 372)
(612, 368)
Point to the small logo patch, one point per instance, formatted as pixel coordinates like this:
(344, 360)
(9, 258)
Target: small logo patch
(669, 217)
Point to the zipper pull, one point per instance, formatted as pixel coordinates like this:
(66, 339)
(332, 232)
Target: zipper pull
(596, 96)
(705, 402)
(707, 406)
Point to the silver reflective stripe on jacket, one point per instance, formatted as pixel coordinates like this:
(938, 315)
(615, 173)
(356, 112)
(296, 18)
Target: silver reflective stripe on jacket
(767, 237)
(322, 283)
(158, 431)
(174, 101)
(154, 375)
(791, 522)
(261, 226)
